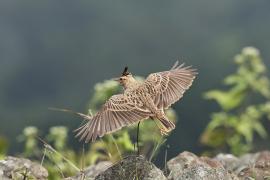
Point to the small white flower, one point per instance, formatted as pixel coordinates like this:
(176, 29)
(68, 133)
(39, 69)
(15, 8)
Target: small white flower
(251, 51)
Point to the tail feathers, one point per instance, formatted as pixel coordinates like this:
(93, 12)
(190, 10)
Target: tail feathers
(167, 124)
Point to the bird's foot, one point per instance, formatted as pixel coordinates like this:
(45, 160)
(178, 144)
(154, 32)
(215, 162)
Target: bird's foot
(163, 132)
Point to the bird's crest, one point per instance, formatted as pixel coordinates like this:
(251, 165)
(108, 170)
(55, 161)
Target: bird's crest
(125, 72)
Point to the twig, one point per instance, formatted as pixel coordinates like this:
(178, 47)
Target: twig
(138, 130)
(43, 156)
(117, 148)
(82, 160)
(165, 160)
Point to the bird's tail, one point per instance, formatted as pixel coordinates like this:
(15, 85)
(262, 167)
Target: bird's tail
(167, 125)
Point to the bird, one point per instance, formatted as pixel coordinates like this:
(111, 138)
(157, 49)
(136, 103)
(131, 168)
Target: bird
(139, 101)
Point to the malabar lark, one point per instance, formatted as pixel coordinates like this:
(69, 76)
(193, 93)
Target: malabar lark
(139, 101)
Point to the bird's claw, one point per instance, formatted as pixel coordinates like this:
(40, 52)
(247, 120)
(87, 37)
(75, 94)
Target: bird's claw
(163, 132)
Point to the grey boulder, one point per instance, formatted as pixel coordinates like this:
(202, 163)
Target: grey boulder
(188, 166)
(20, 168)
(132, 167)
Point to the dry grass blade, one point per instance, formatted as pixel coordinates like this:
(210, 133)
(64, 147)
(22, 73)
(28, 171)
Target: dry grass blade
(156, 148)
(88, 117)
(51, 149)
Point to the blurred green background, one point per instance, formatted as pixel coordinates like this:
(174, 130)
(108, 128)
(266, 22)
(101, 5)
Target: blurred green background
(52, 53)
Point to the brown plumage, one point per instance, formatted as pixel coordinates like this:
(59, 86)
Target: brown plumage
(139, 101)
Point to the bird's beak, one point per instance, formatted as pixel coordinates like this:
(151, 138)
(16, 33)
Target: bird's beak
(116, 79)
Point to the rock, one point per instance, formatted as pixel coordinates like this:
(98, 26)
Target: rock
(229, 161)
(245, 161)
(92, 171)
(249, 166)
(259, 167)
(132, 167)
(187, 166)
(20, 168)
(263, 159)
(232, 163)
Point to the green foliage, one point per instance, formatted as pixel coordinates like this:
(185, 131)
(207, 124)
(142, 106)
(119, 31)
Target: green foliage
(62, 161)
(3, 147)
(112, 147)
(244, 106)
(103, 91)
(59, 160)
(30, 142)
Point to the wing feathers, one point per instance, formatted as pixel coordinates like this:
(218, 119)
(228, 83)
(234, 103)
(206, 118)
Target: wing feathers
(117, 112)
(170, 85)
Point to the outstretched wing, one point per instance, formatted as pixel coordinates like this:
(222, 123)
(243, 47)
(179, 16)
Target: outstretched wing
(119, 111)
(167, 87)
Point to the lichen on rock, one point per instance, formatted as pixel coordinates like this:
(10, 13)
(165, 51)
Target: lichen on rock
(132, 167)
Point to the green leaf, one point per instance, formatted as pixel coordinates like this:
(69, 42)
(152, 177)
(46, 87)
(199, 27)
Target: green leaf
(245, 128)
(233, 79)
(214, 138)
(227, 100)
(260, 129)
(218, 119)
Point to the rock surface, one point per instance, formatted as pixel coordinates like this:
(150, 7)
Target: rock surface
(185, 166)
(20, 168)
(249, 166)
(92, 171)
(132, 167)
(188, 166)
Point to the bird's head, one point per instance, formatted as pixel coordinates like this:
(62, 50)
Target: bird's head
(126, 79)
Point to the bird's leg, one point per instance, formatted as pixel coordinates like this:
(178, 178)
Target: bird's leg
(138, 130)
